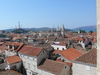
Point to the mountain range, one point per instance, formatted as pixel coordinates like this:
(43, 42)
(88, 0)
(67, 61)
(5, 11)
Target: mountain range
(86, 28)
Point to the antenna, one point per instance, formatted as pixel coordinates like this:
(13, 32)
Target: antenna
(18, 24)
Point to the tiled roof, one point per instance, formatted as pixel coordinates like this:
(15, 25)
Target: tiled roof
(15, 38)
(2, 48)
(80, 49)
(90, 57)
(1, 43)
(13, 59)
(69, 54)
(52, 66)
(9, 72)
(16, 44)
(61, 43)
(70, 64)
(30, 50)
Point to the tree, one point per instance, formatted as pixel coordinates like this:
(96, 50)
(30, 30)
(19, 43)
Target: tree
(90, 31)
(83, 31)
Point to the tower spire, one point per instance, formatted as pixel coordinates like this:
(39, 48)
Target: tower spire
(63, 28)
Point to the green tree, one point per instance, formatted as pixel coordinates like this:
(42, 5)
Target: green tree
(90, 31)
(83, 31)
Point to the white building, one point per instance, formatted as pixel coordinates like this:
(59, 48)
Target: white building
(59, 46)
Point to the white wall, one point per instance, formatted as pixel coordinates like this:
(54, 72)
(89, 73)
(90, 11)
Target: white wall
(29, 63)
(82, 69)
(61, 47)
(10, 53)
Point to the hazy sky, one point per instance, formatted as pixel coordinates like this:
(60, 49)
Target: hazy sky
(47, 13)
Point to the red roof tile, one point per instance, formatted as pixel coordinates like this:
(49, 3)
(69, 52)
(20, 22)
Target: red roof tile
(16, 44)
(52, 66)
(30, 50)
(13, 59)
(70, 64)
(69, 54)
(90, 57)
(2, 48)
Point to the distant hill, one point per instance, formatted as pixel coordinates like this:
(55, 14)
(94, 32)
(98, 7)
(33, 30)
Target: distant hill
(86, 28)
(31, 29)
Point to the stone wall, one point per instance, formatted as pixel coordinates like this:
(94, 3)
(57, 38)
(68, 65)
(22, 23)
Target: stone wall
(82, 69)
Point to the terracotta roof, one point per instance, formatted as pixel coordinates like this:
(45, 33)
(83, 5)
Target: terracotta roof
(90, 57)
(12, 59)
(15, 38)
(1, 43)
(76, 39)
(30, 50)
(70, 64)
(52, 66)
(16, 44)
(69, 54)
(9, 72)
(2, 48)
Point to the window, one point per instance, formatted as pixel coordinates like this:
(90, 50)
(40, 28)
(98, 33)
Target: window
(62, 48)
(65, 66)
(57, 48)
(63, 60)
(43, 51)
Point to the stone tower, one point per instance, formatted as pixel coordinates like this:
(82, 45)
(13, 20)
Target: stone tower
(63, 28)
(79, 30)
(63, 31)
(98, 37)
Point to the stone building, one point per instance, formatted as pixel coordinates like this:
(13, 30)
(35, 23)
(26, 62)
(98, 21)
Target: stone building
(31, 58)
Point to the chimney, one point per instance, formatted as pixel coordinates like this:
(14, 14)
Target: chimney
(98, 36)
(13, 47)
(8, 47)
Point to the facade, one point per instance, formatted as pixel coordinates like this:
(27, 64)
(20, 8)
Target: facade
(13, 62)
(59, 46)
(83, 69)
(32, 57)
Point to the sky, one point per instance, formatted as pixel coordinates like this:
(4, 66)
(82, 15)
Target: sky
(47, 13)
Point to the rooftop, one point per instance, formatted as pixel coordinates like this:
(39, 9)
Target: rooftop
(69, 54)
(9, 72)
(89, 58)
(30, 50)
(13, 59)
(54, 66)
